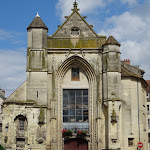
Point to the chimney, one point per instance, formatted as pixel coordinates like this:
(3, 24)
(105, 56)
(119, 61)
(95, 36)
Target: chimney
(126, 61)
(3, 93)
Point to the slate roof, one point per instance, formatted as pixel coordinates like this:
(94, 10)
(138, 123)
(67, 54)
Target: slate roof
(148, 88)
(128, 70)
(2, 97)
(111, 41)
(132, 71)
(37, 23)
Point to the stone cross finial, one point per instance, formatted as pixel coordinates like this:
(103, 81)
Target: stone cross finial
(75, 5)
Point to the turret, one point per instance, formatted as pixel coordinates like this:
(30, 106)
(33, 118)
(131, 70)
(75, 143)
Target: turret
(37, 61)
(112, 90)
(112, 67)
(37, 34)
(37, 44)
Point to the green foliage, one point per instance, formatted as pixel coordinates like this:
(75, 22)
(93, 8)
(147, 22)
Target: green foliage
(1, 147)
(81, 133)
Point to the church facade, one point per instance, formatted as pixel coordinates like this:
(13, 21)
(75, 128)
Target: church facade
(76, 83)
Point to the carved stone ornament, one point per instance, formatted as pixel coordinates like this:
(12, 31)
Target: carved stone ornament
(113, 116)
(41, 116)
(114, 140)
(40, 140)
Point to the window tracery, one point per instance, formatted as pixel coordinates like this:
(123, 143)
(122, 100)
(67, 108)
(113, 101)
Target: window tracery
(75, 32)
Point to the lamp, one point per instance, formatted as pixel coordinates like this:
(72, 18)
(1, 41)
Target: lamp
(6, 128)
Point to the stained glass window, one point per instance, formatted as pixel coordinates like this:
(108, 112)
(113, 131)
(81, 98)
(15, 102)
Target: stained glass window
(75, 74)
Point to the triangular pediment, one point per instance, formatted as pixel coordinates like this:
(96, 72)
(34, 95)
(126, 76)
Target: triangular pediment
(75, 21)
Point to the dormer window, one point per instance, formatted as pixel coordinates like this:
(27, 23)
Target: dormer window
(75, 32)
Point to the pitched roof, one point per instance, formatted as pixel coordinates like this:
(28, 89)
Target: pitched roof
(111, 41)
(148, 88)
(2, 97)
(128, 70)
(37, 23)
(132, 71)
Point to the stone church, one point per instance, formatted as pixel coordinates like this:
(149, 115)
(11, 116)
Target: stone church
(77, 85)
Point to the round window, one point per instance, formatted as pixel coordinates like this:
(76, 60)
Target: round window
(75, 32)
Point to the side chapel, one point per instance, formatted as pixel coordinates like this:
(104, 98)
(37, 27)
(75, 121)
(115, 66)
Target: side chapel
(75, 81)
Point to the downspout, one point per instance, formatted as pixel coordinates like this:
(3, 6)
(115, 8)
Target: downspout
(102, 80)
(138, 107)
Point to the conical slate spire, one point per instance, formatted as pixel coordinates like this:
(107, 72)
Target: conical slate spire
(111, 41)
(37, 23)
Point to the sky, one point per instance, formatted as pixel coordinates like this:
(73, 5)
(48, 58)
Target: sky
(127, 20)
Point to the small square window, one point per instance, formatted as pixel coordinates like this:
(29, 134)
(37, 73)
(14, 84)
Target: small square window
(130, 141)
(148, 137)
(148, 108)
(149, 123)
(75, 74)
(147, 94)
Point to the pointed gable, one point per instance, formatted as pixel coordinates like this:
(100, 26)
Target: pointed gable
(75, 20)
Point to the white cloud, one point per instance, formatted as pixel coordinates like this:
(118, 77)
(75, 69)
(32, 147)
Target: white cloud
(12, 68)
(4, 35)
(126, 26)
(12, 37)
(130, 2)
(88, 6)
(132, 30)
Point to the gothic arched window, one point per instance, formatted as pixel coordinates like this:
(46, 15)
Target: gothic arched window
(21, 123)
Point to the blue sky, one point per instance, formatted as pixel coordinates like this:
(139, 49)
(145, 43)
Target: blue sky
(127, 20)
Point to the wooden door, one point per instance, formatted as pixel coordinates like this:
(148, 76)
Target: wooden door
(76, 144)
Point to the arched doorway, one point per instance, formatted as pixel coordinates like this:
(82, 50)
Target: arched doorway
(76, 144)
(75, 75)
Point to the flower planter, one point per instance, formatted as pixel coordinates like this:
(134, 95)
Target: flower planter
(81, 134)
(66, 133)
